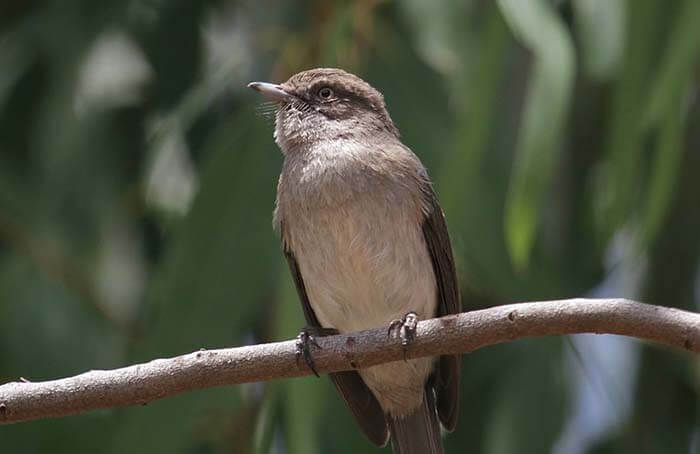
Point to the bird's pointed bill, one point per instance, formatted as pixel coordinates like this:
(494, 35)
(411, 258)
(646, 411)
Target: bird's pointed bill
(273, 92)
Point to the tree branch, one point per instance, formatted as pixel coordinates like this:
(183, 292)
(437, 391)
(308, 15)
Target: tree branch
(461, 333)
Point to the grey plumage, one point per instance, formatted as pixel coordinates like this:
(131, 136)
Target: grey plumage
(366, 243)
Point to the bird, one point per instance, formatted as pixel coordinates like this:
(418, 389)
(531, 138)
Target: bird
(367, 246)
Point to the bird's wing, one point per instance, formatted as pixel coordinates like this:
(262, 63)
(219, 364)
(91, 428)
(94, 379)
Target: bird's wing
(355, 393)
(446, 380)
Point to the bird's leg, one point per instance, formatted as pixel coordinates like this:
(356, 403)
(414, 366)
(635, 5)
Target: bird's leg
(305, 339)
(405, 328)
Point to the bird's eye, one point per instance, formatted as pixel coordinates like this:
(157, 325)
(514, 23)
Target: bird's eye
(325, 93)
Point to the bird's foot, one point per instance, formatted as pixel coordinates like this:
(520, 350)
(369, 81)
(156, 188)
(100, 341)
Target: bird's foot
(305, 339)
(405, 328)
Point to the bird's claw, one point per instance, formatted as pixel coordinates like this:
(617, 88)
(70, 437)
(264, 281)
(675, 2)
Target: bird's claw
(405, 328)
(304, 340)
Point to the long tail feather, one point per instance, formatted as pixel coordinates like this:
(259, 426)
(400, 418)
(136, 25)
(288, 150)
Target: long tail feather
(419, 432)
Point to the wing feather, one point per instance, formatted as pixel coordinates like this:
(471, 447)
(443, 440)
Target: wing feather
(446, 380)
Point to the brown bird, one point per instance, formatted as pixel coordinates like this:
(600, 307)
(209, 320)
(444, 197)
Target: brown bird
(367, 245)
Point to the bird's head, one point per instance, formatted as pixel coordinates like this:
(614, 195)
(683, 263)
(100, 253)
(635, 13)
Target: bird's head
(325, 104)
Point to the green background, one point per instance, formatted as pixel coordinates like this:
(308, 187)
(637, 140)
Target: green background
(137, 180)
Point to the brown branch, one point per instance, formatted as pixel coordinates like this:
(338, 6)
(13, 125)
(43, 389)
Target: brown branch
(462, 333)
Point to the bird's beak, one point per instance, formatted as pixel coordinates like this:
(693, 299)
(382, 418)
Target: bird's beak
(273, 92)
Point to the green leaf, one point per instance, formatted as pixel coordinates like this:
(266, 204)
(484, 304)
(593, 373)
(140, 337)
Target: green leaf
(665, 167)
(682, 54)
(462, 183)
(666, 109)
(622, 170)
(536, 25)
(600, 26)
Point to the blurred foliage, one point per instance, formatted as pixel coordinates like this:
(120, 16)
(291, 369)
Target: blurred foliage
(137, 183)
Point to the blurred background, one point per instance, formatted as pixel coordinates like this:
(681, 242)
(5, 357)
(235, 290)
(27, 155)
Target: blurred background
(138, 174)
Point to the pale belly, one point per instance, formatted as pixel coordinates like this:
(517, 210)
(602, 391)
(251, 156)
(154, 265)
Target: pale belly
(364, 265)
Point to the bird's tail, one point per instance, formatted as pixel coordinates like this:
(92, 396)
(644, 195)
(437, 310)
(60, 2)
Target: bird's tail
(419, 432)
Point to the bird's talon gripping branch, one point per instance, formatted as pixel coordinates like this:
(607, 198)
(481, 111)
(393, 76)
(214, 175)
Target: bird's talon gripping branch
(304, 340)
(307, 337)
(405, 328)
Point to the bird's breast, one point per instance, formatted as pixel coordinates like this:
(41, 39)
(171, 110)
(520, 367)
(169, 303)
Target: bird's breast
(353, 221)
(362, 255)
